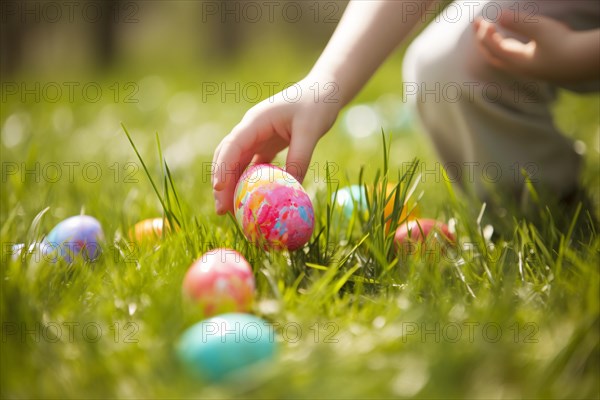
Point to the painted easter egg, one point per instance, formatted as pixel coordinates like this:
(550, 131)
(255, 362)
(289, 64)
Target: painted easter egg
(149, 230)
(420, 229)
(220, 281)
(216, 347)
(273, 209)
(79, 235)
(408, 212)
(350, 197)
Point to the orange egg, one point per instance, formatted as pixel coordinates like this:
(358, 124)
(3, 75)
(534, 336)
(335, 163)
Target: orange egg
(389, 208)
(148, 230)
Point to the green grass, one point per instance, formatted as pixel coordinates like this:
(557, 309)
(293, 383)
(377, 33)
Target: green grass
(515, 315)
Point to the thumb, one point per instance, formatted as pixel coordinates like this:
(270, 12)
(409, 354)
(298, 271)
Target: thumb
(299, 154)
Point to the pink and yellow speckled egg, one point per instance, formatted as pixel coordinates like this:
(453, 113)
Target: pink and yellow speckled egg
(273, 209)
(220, 281)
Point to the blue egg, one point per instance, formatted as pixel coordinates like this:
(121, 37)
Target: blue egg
(227, 343)
(78, 235)
(349, 197)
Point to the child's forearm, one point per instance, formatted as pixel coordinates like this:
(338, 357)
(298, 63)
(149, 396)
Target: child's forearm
(367, 33)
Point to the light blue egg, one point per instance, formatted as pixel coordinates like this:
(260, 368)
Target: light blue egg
(227, 343)
(78, 235)
(349, 197)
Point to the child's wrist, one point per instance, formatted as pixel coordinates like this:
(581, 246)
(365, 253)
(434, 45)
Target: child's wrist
(324, 88)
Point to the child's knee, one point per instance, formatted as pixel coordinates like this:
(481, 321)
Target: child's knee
(431, 77)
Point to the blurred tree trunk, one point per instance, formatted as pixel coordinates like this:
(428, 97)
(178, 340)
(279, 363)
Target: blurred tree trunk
(106, 32)
(226, 41)
(11, 45)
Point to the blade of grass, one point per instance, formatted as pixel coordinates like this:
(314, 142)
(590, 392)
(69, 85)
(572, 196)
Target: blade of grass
(160, 198)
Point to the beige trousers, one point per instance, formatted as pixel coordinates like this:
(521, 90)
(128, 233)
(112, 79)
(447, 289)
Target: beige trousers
(488, 125)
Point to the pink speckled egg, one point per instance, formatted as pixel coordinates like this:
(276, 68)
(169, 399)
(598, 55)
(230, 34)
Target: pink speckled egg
(220, 281)
(420, 229)
(273, 209)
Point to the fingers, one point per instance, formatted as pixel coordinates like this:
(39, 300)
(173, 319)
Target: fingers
(261, 159)
(216, 185)
(264, 157)
(302, 146)
(269, 150)
(500, 51)
(483, 31)
(260, 135)
(232, 156)
(521, 23)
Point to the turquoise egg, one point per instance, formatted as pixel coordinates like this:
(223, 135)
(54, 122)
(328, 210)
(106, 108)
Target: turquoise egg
(227, 343)
(349, 197)
(78, 235)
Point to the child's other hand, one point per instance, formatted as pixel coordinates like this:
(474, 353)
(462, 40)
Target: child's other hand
(296, 117)
(554, 52)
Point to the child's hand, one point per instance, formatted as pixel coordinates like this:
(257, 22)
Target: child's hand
(365, 36)
(554, 52)
(296, 117)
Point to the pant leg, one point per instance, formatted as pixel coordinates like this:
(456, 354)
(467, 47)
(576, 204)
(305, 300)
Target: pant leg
(487, 124)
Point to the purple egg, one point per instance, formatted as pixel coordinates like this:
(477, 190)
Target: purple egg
(79, 235)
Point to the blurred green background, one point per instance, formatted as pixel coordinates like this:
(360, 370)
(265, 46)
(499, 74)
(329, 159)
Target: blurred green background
(189, 70)
(73, 71)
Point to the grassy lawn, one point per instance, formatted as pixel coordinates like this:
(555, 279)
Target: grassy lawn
(503, 316)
